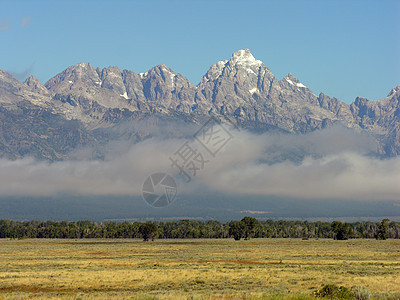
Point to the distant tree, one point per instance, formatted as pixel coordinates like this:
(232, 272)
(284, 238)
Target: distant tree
(249, 225)
(148, 231)
(244, 228)
(236, 229)
(383, 230)
(341, 231)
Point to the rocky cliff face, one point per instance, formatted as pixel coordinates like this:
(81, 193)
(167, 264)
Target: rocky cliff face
(85, 102)
(245, 88)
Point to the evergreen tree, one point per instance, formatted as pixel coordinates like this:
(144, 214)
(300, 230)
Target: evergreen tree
(383, 230)
(249, 225)
(148, 231)
(236, 229)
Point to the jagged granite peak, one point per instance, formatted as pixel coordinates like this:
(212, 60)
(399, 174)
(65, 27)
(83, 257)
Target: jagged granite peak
(240, 87)
(7, 81)
(241, 61)
(168, 89)
(35, 85)
(370, 113)
(291, 88)
(341, 110)
(245, 88)
(13, 91)
(244, 57)
(76, 76)
(332, 104)
(32, 81)
(381, 118)
(6, 76)
(293, 81)
(112, 78)
(394, 91)
(231, 83)
(133, 85)
(9, 87)
(80, 93)
(214, 72)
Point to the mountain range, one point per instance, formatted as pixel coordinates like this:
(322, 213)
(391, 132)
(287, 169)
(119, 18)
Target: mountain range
(87, 107)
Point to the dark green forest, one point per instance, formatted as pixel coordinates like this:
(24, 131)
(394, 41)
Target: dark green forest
(246, 228)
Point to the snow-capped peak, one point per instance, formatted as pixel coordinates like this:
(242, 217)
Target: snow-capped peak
(244, 57)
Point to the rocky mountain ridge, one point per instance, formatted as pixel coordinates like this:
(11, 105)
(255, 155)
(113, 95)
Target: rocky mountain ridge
(242, 87)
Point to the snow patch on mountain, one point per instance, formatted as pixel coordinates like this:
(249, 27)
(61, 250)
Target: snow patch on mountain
(125, 95)
(298, 84)
(172, 76)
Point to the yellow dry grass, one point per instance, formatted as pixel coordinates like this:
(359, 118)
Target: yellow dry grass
(180, 269)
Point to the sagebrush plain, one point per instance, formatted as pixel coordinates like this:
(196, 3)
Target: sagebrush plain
(195, 268)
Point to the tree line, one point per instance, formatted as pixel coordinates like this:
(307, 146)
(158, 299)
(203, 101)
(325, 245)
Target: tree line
(246, 228)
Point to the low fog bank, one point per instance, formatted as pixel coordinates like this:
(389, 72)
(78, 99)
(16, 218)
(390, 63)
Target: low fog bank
(334, 163)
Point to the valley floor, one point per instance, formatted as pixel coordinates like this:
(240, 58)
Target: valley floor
(199, 269)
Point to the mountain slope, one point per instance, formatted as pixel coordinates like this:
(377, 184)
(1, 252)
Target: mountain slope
(88, 105)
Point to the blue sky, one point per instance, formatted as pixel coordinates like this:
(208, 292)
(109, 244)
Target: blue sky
(342, 48)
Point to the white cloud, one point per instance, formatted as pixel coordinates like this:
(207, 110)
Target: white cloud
(338, 167)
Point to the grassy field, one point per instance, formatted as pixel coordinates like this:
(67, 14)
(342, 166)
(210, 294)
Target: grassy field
(195, 269)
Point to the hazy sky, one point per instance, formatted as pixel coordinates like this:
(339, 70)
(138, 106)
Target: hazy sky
(343, 48)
